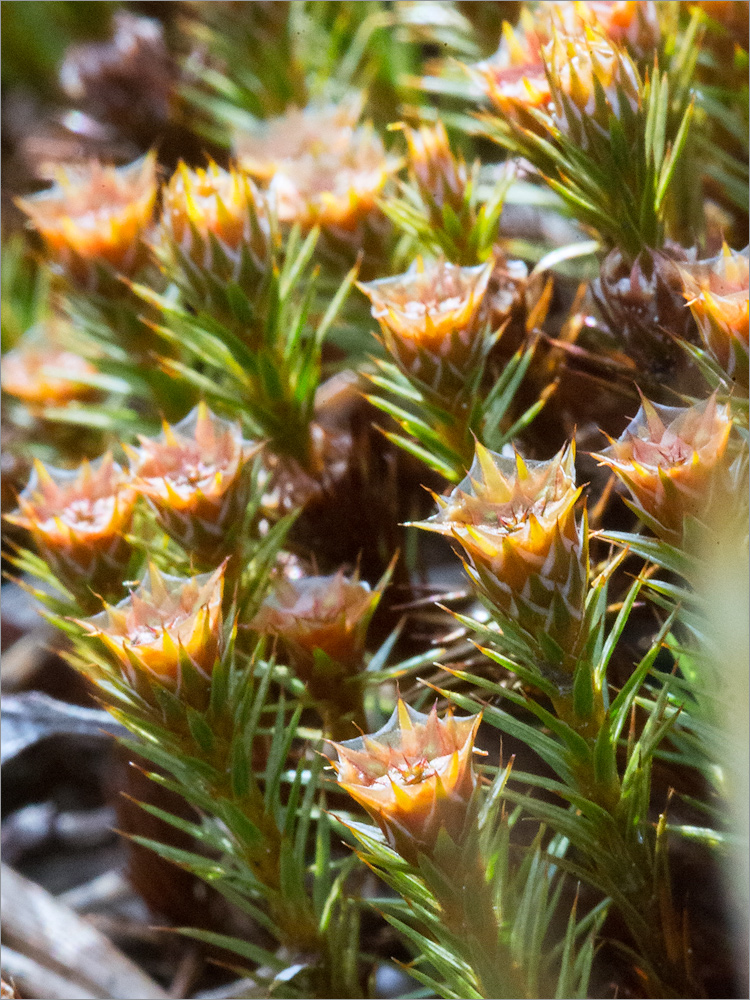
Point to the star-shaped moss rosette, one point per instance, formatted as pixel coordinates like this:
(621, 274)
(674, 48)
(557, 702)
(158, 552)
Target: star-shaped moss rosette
(337, 188)
(314, 131)
(43, 374)
(214, 216)
(96, 216)
(634, 23)
(524, 548)
(326, 613)
(569, 97)
(414, 777)
(717, 293)
(78, 519)
(434, 326)
(196, 476)
(442, 177)
(514, 78)
(674, 462)
(439, 209)
(591, 81)
(322, 623)
(168, 624)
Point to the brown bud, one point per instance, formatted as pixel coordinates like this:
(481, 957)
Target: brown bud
(125, 81)
(643, 303)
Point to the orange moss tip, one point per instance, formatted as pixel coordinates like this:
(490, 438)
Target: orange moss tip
(43, 375)
(581, 68)
(335, 189)
(503, 497)
(515, 79)
(327, 613)
(78, 519)
(213, 202)
(670, 459)
(95, 214)
(315, 131)
(516, 523)
(322, 169)
(717, 292)
(66, 507)
(195, 477)
(634, 23)
(428, 304)
(441, 175)
(164, 620)
(414, 776)
(435, 323)
(191, 462)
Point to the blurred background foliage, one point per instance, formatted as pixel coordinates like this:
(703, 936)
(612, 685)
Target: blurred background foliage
(36, 33)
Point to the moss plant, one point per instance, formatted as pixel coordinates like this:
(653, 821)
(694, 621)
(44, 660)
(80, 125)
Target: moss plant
(361, 265)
